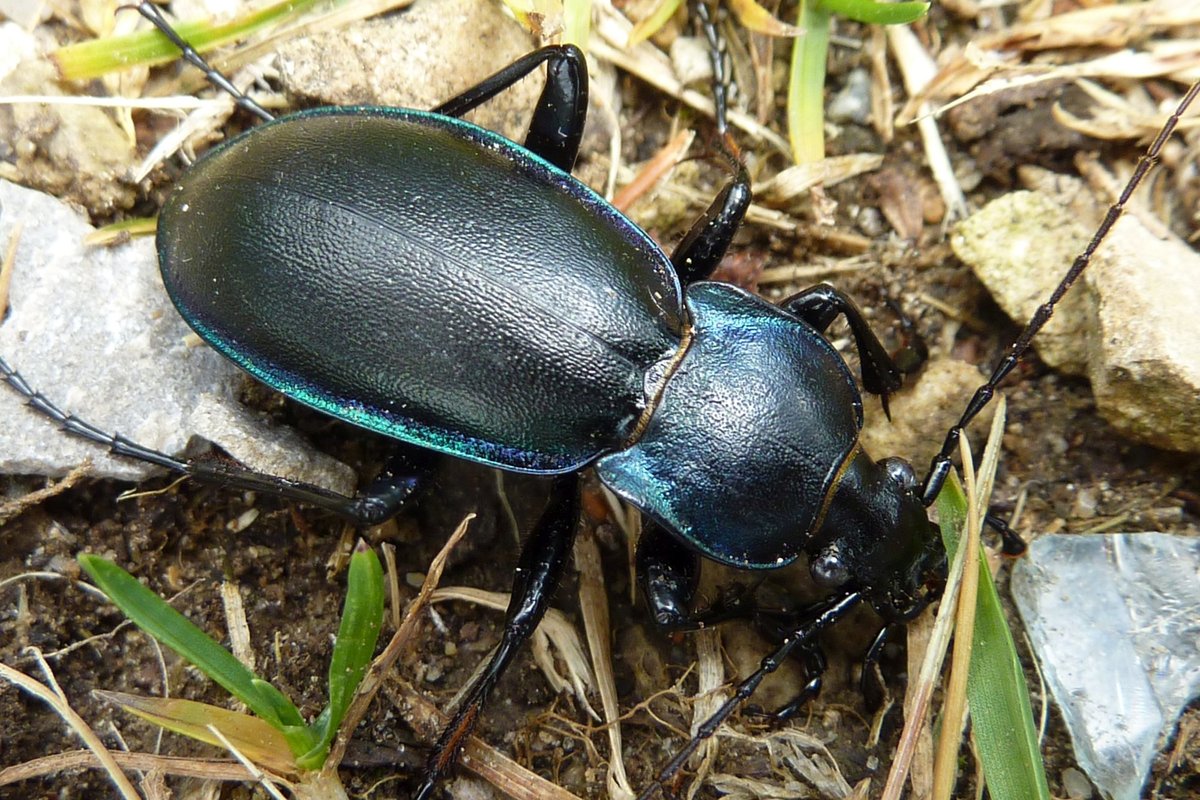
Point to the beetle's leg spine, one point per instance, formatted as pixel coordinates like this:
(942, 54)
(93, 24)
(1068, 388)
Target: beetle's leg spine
(150, 11)
(939, 468)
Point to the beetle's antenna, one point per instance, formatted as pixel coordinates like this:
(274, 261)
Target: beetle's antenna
(825, 613)
(939, 468)
(155, 17)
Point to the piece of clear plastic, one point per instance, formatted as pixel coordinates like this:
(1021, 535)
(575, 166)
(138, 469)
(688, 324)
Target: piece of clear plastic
(1115, 623)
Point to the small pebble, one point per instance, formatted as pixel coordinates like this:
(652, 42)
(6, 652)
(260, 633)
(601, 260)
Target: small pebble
(853, 102)
(1076, 784)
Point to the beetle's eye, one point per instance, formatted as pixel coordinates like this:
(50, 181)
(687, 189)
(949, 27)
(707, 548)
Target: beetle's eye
(900, 471)
(829, 570)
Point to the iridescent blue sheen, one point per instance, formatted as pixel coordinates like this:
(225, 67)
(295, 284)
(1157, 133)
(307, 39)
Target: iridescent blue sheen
(754, 426)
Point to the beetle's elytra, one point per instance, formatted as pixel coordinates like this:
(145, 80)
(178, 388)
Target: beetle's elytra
(435, 283)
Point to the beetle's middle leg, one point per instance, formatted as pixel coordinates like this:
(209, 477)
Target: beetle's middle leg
(818, 617)
(539, 570)
(668, 574)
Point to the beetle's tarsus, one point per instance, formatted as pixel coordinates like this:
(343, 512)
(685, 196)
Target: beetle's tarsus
(152, 13)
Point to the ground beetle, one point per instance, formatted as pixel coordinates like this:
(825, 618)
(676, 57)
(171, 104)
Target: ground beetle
(432, 281)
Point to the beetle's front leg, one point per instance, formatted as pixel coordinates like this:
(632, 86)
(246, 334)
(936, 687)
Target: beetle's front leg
(668, 574)
(539, 571)
(561, 111)
(819, 306)
(820, 616)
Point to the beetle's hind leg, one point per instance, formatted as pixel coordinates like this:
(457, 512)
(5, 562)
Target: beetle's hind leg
(561, 110)
(378, 501)
(539, 571)
(704, 245)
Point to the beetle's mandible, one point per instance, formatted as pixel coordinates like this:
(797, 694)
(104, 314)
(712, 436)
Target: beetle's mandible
(518, 320)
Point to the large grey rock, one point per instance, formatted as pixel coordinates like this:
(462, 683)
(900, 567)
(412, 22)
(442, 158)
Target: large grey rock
(92, 329)
(417, 59)
(1130, 325)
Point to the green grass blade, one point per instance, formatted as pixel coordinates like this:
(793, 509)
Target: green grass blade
(876, 13)
(653, 23)
(1001, 716)
(154, 616)
(577, 22)
(362, 618)
(806, 84)
(149, 47)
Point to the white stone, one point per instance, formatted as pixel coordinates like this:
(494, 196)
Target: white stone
(93, 330)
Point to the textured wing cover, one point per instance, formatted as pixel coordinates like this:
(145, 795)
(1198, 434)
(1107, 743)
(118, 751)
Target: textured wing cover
(423, 278)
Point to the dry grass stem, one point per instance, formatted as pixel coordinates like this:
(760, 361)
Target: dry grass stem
(954, 714)
(183, 102)
(488, 763)
(918, 69)
(204, 768)
(593, 603)
(12, 508)
(655, 171)
(920, 691)
(236, 624)
(648, 63)
(53, 697)
(6, 267)
(920, 776)
(803, 754)
(257, 775)
(794, 183)
(807, 273)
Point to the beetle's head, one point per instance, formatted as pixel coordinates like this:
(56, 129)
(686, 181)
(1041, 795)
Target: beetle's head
(877, 538)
